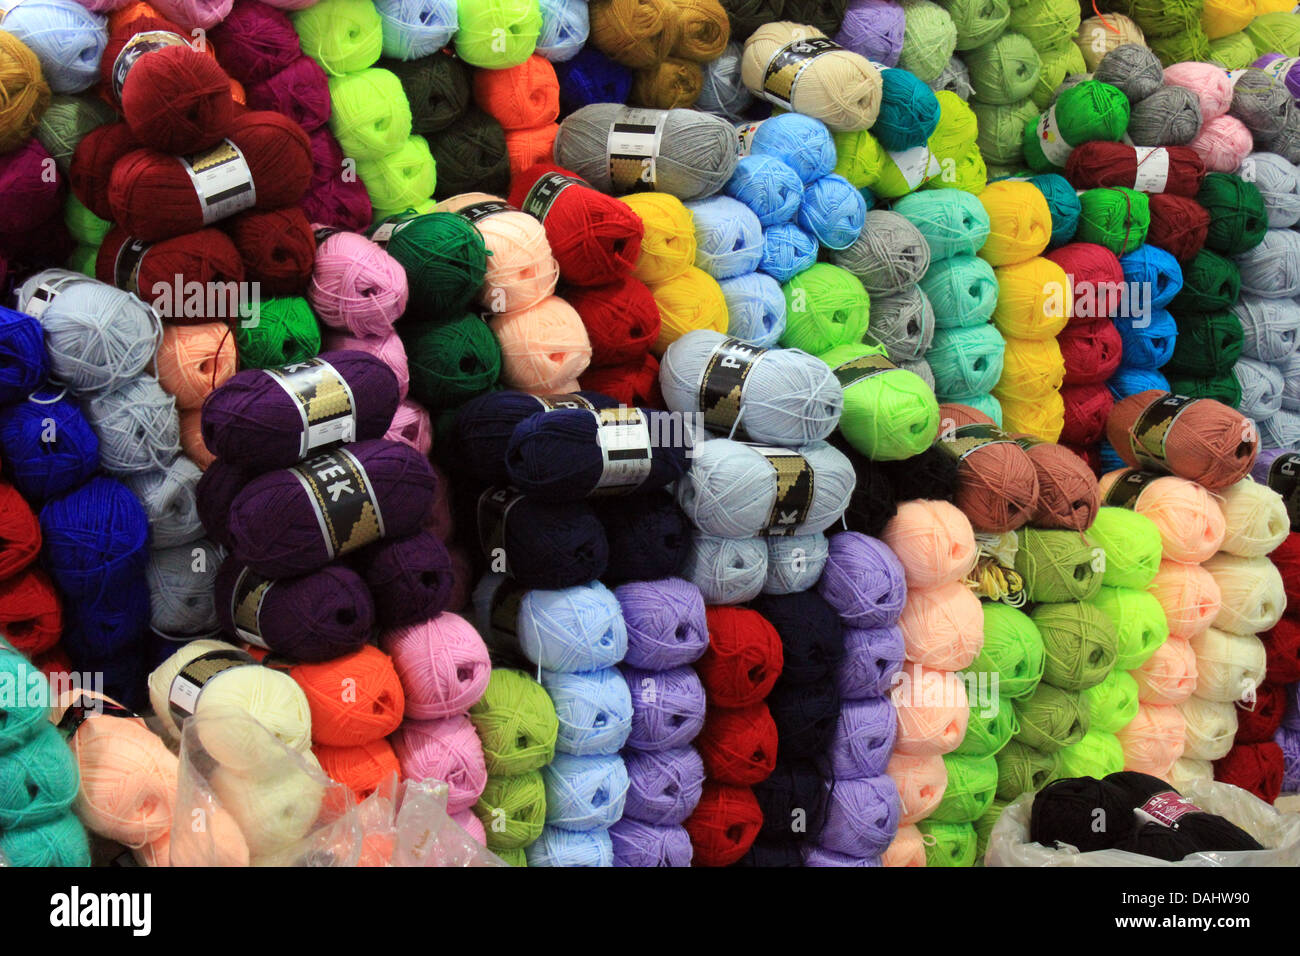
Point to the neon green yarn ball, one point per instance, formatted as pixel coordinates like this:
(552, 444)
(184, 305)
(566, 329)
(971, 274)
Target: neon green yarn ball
(948, 844)
(369, 116)
(859, 157)
(401, 180)
(343, 36)
(1113, 703)
(1013, 650)
(497, 34)
(990, 727)
(825, 306)
(972, 785)
(888, 415)
(1132, 544)
(1096, 755)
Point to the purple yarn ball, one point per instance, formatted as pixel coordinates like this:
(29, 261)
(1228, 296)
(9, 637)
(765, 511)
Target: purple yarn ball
(665, 620)
(663, 786)
(873, 28)
(861, 816)
(410, 578)
(863, 741)
(1292, 75)
(1292, 717)
(872, 657)
(1265, 461)
(863, 580)
(667, 707)
(1288, 738)
(820, 856)
(642, 844)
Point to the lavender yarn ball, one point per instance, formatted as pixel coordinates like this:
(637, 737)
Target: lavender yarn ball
(861, 816)
(873, 28)
(1288, 738)
(863, 741)
(863, 581)
(872, 656)
(665, 621)
(642, 844)
(663, 787)
(667, 707)
(820, 856)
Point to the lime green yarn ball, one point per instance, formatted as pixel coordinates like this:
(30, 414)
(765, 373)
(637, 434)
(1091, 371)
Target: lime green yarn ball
(859, 157)
(894, 182)
(966, 172)
(1013, 650)
(1275, 33)
(1050, 718)
(985, 824)
(1115, 217)
(1079, 644)
(1233, 52)
(825, 306)
(343, 36)
(929, 39)
(948, 844)
(1097, 755)
(401, 180)
(989, 728)
(87, 228)
(1140, 624)
(451, 362)
(1181, 48)
(497, 34)
(1132, 544)
(1057, 63)
(513, 811)
(277, 332)
(515, 857)
(889, 414)
(1024, 769)
(1002, 132)
(1057, 565)
(370, 115)
(957, 127)
(972, 785)
(1090, 110)
(1005, 70)
(1047, 23)
(978, 21)
(1113, 703)
(82, 259)
(516, 722)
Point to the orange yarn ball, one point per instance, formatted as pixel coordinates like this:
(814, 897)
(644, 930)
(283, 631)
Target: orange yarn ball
(193, 360)
(528, 147)
(943, 627)
(363, 768)
(520, 97)
(354, 699)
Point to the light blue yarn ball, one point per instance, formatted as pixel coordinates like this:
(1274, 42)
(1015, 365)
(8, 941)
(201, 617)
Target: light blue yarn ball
(1262, 388)
(1280, 430)
(963, 290)
(66, 37)
(726, 570)
(984, 402)
(564, 29)
(755, 309)
(833, 211)
(723, 92)
(594, 709)
(728, 237)
(801, 142)
(768, 186)
(1128, 380)
(795, 562)
(787, 251)
(573, 629)
(416, 28)
(559, 847)
(966, 360)
(585, 793)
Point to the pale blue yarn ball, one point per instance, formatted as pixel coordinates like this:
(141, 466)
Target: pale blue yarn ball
(573, 629)
(585, 793)
(66, 37)
(594, 709)
(416, 28)
(564, 29)
(559, 847)
(755, 309)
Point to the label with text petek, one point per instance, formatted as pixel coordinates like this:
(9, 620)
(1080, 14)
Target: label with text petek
(324, 401)
(795, 486)
(390, 227)
(967, 439)
(246, 606)
(722, 385)
(543, 193)
(478, 211)
(49, 290)
(494, 506)
(1284, 478)
(343, 499)
(1152, 169)
(633, 145)
(1128, 487)
(222, 181)
(136, 47)
(550, 403)
(1166, 808)
(788, 64)
(127, 262)
(183, 695)
(1151, 430)
(84, 706)
(860, 368)
(626, 455)
(1053, 144)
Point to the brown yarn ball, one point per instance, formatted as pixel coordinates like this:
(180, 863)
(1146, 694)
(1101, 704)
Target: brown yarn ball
(673, 84)
(997, 484)
(1067, 489)
(24, 94)
(704, 30)
(636, 33)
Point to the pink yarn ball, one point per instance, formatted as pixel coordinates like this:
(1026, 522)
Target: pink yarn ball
(1154, 740)
(471, 824)
(1169, 675)
(194, 13)
(104, 6)
(446, 750)
(943, 627)
(387, 348)
(441, 522)
(412, 426)
(544, 348)
(933, 710)
(356, 286)
(1210, 83)
(1223, 143)
(1189, 596)
(921, 782)
(442, 663)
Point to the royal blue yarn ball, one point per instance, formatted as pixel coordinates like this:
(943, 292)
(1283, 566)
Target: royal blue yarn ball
(47, 444)
(23, 364)
(94, 539)
(591, 77)
(1149, 339)
(1129, 380)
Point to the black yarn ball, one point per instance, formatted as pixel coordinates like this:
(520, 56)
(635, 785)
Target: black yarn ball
(806, 716)
(1161, 842)
(471, 157)
(649, 537)
(793, 800)
(437, 87)
(930, 476)
(825, 15)
(768, 854)
(1207, 831)
(871, 504)
(812, 637)
(1082, 812)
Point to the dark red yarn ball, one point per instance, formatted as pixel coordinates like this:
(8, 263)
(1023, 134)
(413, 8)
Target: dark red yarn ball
(621, 318)
(20, 532)
(738, 746)
(255, 41)
(1092, 351)
(278, 248)
(1178, 225)
(744, 657)
(92, 164)
(300, 91)
(31, 617)
(1287, 559)
(207, 256)
(1257, 768)
(1258, 723)
(331, 199)
(1102, 163)
(724, 825)
(634, 384)
(1282, 645)
(1086, 409)
(1097, 276)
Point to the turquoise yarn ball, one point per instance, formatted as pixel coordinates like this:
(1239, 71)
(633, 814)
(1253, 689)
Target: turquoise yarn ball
(986, 403)
(966, 360)
(22, 718)
(954, 222)
(963, 291)
(38, 781)
(1064, 204)
(58, 842)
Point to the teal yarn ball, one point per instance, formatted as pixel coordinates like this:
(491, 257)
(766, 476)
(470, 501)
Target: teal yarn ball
(953, 222)
(21, 719)
(966, 360)
(1064, 203)
(58, 842)
(909, 111)
(38, 781)
(963, 291)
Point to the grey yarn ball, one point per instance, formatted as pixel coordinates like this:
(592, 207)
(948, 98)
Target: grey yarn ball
(795, 562)
(1263, 104)
(1286, 144)
(1261, 388)
(903, 323)
(1134, 69)
(1281, 430)
(1272, 268)
(697, 152)
(723, 92)
(181, 593)
(889, 255)
(726, 570)
(955, 77)
(1171, 116)
(137, 426)
(919, 367)
(1278, 181)
(1271, 327)
(169, 498)
(1291, 375)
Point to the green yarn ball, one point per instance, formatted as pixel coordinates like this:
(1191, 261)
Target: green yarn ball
(985, 824)
(1113, 703)
(343, 36)
(988, 729)
(445, 262)
(1023, 769)
(516, 724)
(1002, 133)
(1182, 48)
(1097, 755)
(277, 332)
(369, 114)
(1132, 544)
(1211, 283)
(972, 784)
(888, 416)
(1277, 32)
(1238, 217)
(67, 121)
(58, 842)
(515, 857)
(1222, 388)
(402, 180)
(1115, 217)
(1079, 644)
(82, 259)
(929, 39)
(1048, 23)
(1005, 70)
(1236, 51)
(1058, 62)
(1058, 565)
(1208, 344)
(497, 34)
(1013, 650)
(1140, 624)
(825, 306)
(953, 223)
(948, 844)
(1091, 110)
(513, 811)
(1051, 718)
(451, 362)
(957, 130)
(87, 228)
(978, 21)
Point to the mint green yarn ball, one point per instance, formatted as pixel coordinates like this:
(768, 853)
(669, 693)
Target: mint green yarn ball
(929, 39)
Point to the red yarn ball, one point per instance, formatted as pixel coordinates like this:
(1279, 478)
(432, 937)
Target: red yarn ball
(635, 384)
(1092, 351)
(31, 617)
(1086, 409)
(1102, 163)
(622, 320)
(724, 825)
(207, 257)
(1282, 645)
(278, 248)
(744, 657)
(1287, 559)
(1097, 276)
(20, 532)
(92, 164)
(1178, 225)
(1257, 768)
(738, 746)
(1258, 723)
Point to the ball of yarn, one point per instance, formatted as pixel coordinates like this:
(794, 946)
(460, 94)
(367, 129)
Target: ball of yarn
(933, 711)
(1020, 223)
(27, 92)
(771, 189)
(929, 39)
(1012, 649)
(1278, 183)
(1220, 454)
(1255, 518)
(668, 708)
(1058, 565)
(1089, 111)
(1207, 345)
(873, 28)
(756, 309)
(889, 254)
(728, 238)
(942, 626)
(48, 444)
(1132, 542)
(724, 825)
(963, 291)
(516, 723)
(738, 746)
(572, 629)
(663, 787)
(1113, 703)
(442, 663)
(1034, 303)
(637, 35)
(1272, 268)
(1171, 116)
(445, 750)
(1004, 70)
(1190, 522)
(920, 782)
(826, 306)
(726, 570)
(933, 541)
(1190, 596)
(451, 361)
(1252, 589)
(1169, 675)
(356, 286)
(66, 38)
(412, 30)
(665, 623)
(863, 580)
(1051, 719)
(743, 659)
(1079, 643)
(647, 541)
(1223, 143)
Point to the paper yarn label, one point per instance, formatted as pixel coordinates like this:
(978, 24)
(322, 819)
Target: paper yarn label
(1284, 478)
(343, 499)
(633, 145)
(183, 695)
(722, 385)
(222, 181)
(551, 403)
(324, 401)
(494, 506)
(543, 193)
(865, 366)
(477, 212)
(626, 454)
(788, 64)
(968, 439)
(1151, 430)
(147, 42)
(1128, 488)
(795, 488)
(1152, 169)
(246, 606)
(1166, 808)
(1050, 139)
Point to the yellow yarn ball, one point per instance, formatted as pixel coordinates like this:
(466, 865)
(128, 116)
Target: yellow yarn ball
(692, 300)
(668, 248)
(1035, 299)
(1042, 417)
(1031, 370)
(1222, 17)
(1020, 222)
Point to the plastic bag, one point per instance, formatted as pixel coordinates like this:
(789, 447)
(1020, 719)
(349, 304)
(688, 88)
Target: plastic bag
(406, 824)
(1279, 833)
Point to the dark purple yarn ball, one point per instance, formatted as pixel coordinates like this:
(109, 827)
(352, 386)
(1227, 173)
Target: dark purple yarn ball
(275, 530)
(643, 844)
(812, 637)
(666, 626)
(863, 740)
(805, 716)
(410, 578)
(872, 657)
(316, 617)
(663, 786)
(649, 537)
(793, 800)
(252, 421)
(549, 545)
(863, 580)
(667, 707)
(820, 856)
(861, 816)
(215, 493)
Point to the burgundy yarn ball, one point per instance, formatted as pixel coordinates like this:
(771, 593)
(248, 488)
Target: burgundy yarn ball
(1257, 768)
(1283, 647)
(278, 248)
(93, 162)
(410, 578)
(1178, 225)
(255, 41)
(332, 200)
(300, 91)
(176, 99)
(635, 383)
(1258, 723)
(738, 746)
